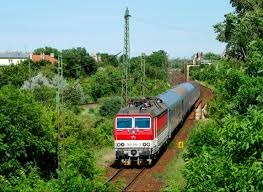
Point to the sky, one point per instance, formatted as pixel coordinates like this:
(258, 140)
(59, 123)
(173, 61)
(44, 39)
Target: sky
(180, 27)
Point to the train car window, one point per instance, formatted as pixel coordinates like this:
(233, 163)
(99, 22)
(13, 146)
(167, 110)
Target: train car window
(124, 123)
(142, 122)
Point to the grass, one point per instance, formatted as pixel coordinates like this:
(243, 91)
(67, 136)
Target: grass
(120, 184)
(105, 156)
(173, 177)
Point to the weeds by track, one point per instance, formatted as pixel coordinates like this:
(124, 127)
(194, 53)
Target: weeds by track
(130, 178)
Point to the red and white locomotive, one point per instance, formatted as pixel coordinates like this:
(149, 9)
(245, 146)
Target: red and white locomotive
(144, 126)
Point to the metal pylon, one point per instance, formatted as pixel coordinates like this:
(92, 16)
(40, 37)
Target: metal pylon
(126, 61)
(60, 110)
(143, 74)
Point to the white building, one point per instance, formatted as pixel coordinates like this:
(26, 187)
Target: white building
(96, 56)
(14, 58)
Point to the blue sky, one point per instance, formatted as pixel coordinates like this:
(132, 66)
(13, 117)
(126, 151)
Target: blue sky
(180, 27)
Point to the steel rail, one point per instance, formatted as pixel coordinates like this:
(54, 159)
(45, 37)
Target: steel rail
(137, 175)
(113, 176)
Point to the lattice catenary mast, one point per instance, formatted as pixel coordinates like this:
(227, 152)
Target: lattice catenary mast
(143, 74)
(126, 60)
(60, 110)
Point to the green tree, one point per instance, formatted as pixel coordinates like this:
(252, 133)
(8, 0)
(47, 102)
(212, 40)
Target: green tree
(78, 62)
(14, 75)
(254, 64)
(243, 6)
(107, 59)
(211, 56)
(106, 82)
(110, 107)
(47, 51)
(240, 28)
(26, 135)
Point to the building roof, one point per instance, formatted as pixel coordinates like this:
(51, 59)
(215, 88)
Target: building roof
(14, 55)
(37, 58)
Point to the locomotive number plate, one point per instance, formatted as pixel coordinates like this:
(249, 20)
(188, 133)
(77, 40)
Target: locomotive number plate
(134, 144)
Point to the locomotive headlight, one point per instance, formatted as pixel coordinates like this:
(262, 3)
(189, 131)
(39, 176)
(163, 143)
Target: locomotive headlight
(146, 144)
(120, 144)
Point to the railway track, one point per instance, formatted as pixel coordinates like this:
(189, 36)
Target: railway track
(113, 176)
(129, 175)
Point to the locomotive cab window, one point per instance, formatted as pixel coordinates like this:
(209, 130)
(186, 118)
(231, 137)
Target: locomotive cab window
(142, 122)
(124, 123)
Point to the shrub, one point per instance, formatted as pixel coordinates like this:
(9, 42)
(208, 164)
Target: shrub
(110, 107)
(205, 134)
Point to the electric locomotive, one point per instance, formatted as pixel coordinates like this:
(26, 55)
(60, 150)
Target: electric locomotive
(144, 126)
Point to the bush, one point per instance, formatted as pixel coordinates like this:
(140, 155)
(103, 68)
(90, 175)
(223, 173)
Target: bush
(110, 107)
(25, 134)
(204, 135)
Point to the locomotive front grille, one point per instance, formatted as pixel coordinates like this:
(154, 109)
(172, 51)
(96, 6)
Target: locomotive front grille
(133, 152)
(139, 152)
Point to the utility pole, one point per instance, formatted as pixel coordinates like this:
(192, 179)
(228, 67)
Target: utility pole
(29, 74)
(143, 74)
(29, 68)
(126, 61)
(188, 69)
(60, 110)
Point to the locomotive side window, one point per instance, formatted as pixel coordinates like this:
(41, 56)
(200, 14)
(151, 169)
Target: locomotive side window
(142, 123)
(124, 123)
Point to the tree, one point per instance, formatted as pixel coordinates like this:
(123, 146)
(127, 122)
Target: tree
(243, 6)
(106, 82)
(78, 62)
(14, 75)
(107, 59)
(158, 59)
(254, 64)
(110, 107)
(240, 28)
(47, 51)
(211, 56)
(25, 134)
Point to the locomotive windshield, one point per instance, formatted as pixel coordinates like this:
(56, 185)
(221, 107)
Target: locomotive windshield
(142, 122)
(123, 123)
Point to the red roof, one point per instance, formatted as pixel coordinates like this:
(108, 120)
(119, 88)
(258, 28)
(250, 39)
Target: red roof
(37, 58)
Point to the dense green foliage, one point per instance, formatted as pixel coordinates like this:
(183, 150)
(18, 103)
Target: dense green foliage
(110, 107)
(29, 121)
(26, 134)
(78, 62)
(107, 59)
(233, 160)
(47, 51)
(225, 152)
(241, 27)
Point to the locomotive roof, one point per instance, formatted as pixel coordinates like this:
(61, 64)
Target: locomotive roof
(153, 106)
(157, 105)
